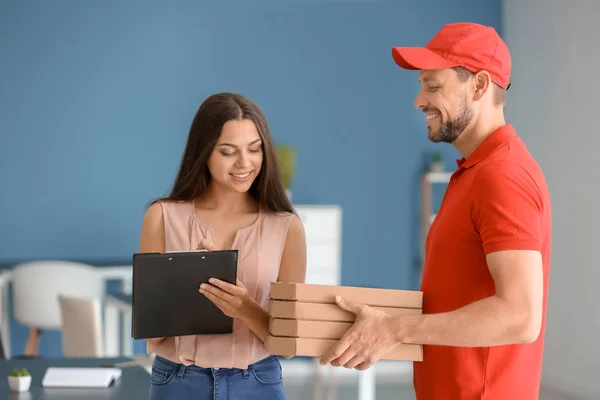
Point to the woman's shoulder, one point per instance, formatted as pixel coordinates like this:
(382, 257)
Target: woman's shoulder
(283, 229)
(168, 205)
(278, 215)
(283, 220)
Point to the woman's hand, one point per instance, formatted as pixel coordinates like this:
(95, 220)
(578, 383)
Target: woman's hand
(233, 300)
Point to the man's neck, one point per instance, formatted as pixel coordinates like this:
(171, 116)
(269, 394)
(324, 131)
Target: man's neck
(473, 136)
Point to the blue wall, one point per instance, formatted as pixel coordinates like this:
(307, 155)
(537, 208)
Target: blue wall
(96, 99)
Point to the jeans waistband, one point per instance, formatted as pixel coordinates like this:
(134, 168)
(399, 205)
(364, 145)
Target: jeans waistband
(196, 369)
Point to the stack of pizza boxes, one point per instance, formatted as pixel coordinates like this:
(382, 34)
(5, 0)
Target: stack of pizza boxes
(306, 321)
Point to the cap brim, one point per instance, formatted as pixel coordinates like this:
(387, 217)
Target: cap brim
(417, 58)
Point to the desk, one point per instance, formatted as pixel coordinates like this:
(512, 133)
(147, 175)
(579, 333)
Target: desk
(134, 383)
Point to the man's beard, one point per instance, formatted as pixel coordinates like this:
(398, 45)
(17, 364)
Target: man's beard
(449, 131)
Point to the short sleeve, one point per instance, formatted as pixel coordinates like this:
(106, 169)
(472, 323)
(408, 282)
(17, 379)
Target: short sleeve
(507, 208)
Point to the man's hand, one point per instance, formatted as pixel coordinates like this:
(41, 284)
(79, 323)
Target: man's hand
(370, 338)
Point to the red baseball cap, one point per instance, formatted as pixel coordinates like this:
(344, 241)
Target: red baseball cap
(468, 45)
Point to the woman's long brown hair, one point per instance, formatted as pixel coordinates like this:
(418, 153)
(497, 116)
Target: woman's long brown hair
(193, 176)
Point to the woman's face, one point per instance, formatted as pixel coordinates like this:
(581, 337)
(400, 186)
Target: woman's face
(237, 157)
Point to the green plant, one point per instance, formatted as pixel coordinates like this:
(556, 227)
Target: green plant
(19, 372)
(286, 160)
(437, 157)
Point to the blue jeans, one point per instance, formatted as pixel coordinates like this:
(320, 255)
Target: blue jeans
(261, 381)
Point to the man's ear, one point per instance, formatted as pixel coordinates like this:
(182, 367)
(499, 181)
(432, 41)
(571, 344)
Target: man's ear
(482, 83)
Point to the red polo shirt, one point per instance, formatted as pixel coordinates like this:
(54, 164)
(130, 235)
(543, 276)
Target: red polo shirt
(496, 200)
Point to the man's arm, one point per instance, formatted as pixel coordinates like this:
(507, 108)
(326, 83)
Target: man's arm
(507, 211)
(512, 315)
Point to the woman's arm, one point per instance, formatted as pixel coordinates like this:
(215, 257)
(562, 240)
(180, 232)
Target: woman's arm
(292, 269)
(152, 238)
(293, 259)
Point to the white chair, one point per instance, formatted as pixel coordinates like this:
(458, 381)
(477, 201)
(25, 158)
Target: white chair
(36, 287)
(81, 326)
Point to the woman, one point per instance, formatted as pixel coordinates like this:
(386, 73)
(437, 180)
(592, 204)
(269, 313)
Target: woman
(227, 195)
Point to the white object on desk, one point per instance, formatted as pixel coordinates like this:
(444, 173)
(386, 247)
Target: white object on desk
(19, 383)
(80, 377)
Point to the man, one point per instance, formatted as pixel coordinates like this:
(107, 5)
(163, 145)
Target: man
(488, 251)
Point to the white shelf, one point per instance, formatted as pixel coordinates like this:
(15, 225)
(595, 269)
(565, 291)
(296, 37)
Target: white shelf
(323, 230)
(427, 213)
(438, 177)
(431, 218)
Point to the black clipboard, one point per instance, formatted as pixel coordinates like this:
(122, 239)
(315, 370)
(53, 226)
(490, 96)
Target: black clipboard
(166, 301)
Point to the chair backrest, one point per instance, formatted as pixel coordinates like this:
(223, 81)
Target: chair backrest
(81, 326)
(37, 285)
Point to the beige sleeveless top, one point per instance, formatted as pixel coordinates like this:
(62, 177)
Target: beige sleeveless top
(260, 247)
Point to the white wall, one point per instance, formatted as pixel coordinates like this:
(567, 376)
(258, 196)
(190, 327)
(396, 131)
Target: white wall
(554, 104)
